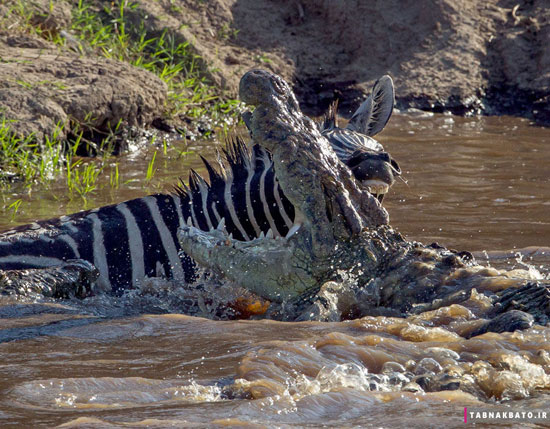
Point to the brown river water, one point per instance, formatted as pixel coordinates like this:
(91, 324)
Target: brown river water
(479, 184)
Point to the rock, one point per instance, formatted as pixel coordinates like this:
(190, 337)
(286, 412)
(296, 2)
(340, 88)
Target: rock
(510, 321)
(74, 277)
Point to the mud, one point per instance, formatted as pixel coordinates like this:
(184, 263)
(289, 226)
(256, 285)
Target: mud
(42, 89)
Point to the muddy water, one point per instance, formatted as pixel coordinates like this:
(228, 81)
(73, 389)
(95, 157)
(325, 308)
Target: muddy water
(473, 183)
(477, 184)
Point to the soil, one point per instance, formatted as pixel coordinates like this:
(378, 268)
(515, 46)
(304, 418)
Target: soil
(467, 57)
(41, 88)
(46, 90)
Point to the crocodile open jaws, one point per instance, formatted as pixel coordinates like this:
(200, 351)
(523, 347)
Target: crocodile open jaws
(332, 207)
(344, 234)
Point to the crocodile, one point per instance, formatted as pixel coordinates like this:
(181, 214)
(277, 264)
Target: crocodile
(345, 234)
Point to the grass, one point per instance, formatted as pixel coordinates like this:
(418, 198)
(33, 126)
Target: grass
(14, 208)
(151, 168)
(27, 159)
(57, 85)
(83, 182)
(82, 177)
(114, 177)
(116, 30)
(46, 170)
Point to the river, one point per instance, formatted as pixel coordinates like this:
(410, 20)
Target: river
(478, 184)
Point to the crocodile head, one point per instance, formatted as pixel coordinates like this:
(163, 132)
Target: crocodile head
(331, 206)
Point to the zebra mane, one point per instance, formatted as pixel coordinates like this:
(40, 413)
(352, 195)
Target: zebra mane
(330, 119)
(233, 161)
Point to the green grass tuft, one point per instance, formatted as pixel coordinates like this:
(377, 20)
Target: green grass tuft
(117, 30)
(29, 159)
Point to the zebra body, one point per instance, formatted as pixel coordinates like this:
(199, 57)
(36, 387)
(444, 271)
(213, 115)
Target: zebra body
(125, 242)
(135, 239)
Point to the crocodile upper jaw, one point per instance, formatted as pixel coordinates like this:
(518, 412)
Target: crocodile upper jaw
(332, 206)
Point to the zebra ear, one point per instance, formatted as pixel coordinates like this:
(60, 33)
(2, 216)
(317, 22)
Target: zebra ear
(373, 114)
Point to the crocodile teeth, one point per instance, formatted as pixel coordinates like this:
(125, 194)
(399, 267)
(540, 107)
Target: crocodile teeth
(269, 233)
(231, 236)
(262, 235)
(293, 230)
(221, 225)
(189, 221)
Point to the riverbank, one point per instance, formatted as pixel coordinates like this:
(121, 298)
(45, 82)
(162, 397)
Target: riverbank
(86, 78)
(163, 62)
(468, 57)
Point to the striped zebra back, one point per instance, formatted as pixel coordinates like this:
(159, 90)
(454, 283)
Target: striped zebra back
(137, 238)
(125, 242)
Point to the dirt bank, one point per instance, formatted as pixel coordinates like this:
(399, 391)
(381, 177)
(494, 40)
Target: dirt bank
(479, 56)
(468, 56)
(46, 89)
(42, 88)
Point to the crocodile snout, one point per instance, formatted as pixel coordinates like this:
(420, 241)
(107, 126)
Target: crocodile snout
(258, 86)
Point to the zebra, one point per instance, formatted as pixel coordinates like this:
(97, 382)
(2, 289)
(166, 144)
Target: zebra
(135, 239)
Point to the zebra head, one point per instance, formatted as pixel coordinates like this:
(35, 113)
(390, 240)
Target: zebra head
(355, 145)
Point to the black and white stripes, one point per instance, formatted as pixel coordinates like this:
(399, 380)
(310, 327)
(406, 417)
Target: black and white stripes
(345, 142)
(244, 193)
(128, 241)
(368, 120)
(125, 242)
